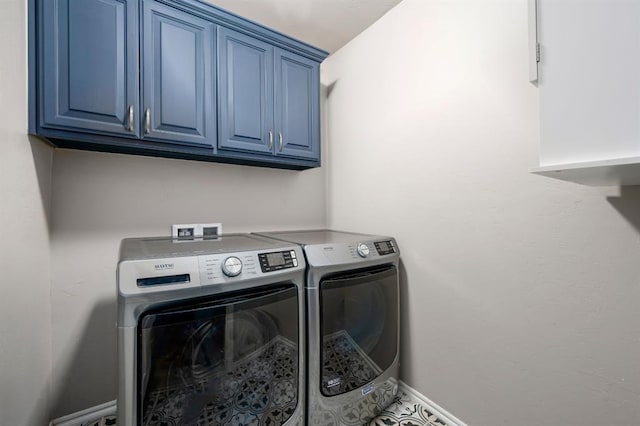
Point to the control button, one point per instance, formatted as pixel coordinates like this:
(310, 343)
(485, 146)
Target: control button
(363, 250)
(295, 262)
(232, 266)
(293, 254)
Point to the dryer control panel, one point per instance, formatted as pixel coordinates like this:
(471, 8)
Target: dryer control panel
(277, 260)
(385, 247)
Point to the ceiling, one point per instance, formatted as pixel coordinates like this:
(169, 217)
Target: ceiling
(327, 24)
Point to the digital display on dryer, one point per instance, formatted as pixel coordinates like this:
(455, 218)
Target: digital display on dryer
(385, 247)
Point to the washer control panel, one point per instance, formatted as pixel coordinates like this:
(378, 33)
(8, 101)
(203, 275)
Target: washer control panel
(232, 266)
(238, 266)
(195, 264)
(277, 260)
(385, 247)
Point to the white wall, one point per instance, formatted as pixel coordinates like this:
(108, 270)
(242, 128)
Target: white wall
(521, 294)
(98, 199)
(25, 169)
(64, 214)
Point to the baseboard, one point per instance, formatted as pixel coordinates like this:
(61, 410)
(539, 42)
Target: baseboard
(93, 413)
(434, 408)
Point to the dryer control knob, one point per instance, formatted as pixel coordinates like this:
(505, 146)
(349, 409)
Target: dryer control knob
(232, 266)
(363, 250)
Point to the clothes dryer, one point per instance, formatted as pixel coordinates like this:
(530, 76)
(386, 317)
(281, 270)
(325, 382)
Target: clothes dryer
(352, 292)
(211, 332)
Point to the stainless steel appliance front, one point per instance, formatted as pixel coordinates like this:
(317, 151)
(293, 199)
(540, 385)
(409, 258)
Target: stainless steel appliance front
(352, 292)
(211, 332)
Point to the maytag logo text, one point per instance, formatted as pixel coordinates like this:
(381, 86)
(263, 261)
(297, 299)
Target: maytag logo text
(163, 266)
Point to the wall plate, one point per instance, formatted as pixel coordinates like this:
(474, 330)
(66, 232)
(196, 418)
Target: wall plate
(192, 231)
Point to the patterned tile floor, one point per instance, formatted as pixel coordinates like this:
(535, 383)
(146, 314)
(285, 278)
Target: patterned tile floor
(406, 411)
(403, 411)
(260, 389)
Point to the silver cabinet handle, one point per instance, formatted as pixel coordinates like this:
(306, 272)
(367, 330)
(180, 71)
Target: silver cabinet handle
(270, 139)
(280, 144)
(130, 126)
(147, 121)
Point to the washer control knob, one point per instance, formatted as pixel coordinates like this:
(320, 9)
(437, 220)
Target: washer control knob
(363, 250)
(232, 266)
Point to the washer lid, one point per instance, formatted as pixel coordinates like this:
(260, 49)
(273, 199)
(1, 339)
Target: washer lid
(165, 247)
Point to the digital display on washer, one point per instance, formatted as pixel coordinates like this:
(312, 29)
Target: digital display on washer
(385, 247)
(277, 260)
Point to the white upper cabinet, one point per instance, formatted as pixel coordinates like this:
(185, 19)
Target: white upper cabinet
(588, 75)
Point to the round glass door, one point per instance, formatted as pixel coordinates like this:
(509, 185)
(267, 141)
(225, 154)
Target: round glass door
(231, 358)
(359, 328)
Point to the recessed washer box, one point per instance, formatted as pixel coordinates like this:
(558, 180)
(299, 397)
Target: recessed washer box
(196, 230)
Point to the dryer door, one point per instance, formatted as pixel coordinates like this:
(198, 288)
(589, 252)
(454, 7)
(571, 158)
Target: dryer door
(359, 327)
(231, 358)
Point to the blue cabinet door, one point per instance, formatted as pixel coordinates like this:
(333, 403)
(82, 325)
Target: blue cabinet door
(177, 72)
(297, 108)
(245, 85)
(89, 74)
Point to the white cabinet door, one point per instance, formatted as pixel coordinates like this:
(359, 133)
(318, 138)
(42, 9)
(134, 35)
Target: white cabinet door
(589, 80)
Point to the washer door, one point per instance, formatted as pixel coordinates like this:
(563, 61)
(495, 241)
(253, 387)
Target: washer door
(359, 327)
(231, 358)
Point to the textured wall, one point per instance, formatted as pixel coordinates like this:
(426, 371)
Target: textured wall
(98, 199)
(520, 292)
(25, 171)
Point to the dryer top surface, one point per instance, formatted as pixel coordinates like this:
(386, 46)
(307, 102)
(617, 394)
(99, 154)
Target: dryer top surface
(319, 236)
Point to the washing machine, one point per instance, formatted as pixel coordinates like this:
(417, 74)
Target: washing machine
(352, 292)
(211, 332)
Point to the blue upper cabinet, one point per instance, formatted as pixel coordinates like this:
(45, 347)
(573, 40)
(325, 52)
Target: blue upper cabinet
(88, 79)
(178, 83)
(297, 107)
(269, 100)
(172, 78)
(245, 81)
